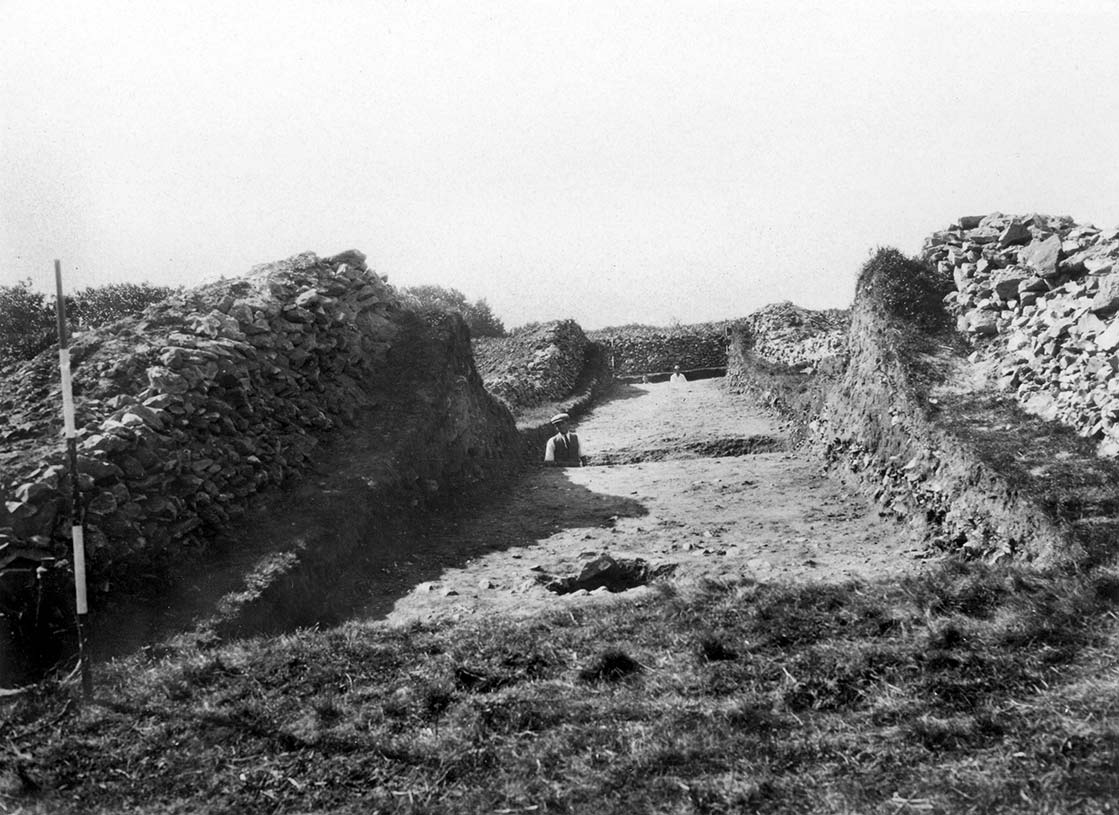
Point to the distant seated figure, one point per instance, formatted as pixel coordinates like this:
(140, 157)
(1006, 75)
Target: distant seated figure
(563, 448)
(677, 380)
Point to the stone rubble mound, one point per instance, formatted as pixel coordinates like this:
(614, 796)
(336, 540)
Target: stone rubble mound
(537, 364)
(204, 400)
(1039, 296)
(795, 336)
(779, 354)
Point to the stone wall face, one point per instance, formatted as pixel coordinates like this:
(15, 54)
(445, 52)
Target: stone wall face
(535, 365)
(213, 396)
(637, 350)
(1039, 295)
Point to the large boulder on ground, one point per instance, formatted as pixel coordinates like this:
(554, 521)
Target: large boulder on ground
(606, 572)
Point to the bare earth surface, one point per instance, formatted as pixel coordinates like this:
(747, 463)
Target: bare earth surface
(769, 515)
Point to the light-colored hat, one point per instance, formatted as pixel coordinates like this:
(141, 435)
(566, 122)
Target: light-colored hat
(560, 417)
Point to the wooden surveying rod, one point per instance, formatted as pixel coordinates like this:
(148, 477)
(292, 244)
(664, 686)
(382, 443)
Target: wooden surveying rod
(77, 531)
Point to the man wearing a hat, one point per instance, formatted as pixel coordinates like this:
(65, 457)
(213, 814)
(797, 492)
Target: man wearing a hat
(563, 448)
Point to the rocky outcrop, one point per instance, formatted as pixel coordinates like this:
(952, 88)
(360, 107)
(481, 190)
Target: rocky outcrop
(1039, 298)
(536, 364)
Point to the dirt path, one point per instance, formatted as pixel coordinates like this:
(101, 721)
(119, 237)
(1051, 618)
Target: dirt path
(665, 493)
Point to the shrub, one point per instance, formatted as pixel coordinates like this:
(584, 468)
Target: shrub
(106, 304)
(27, 322)
(27, 318)
(479, 317)
(907, 288)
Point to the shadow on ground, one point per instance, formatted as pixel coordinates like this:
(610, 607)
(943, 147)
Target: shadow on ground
(706, 448)
(318, 551)
(340, 558)
(545, 503)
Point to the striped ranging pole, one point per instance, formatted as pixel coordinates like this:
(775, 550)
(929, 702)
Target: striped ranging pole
(77, 531)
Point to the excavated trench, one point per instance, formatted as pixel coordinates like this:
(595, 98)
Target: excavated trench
(655, 510)
(704, 448)
(693, 485)
(309, 555)
(299, 554)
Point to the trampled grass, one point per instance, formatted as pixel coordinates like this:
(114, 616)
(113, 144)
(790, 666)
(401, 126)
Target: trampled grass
(969, 689)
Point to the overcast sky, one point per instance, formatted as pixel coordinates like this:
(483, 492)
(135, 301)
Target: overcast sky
(612, 162)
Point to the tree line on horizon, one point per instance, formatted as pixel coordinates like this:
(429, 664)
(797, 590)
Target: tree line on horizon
(478, 316)
(28, 324)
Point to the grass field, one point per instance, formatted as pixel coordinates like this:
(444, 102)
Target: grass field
(970, 689)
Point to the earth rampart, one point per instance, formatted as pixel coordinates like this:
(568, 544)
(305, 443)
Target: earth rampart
(880, 424)
(909, 411)
(220, 395)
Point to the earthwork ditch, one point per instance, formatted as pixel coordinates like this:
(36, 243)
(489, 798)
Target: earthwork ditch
(682, 484)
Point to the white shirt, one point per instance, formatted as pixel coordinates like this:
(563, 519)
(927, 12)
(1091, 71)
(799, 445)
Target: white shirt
(569, 438)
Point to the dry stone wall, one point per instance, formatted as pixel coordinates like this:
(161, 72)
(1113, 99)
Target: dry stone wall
(1039, 296)
(638, 349)
(209, 398)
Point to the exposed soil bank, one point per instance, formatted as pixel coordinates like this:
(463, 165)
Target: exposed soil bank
(905, 415)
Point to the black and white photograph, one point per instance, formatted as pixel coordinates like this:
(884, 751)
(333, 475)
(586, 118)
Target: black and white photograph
(598, 407)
